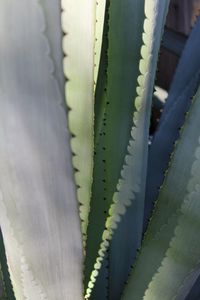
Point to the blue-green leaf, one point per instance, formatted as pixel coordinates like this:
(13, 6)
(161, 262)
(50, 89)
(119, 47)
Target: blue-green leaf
(188, 66)
(163, 144)
(182, 257)
(114, 107)
(178, 182)
(174, 41)
(130, 188)
(193, 293)
(183, 88)
(124, 245)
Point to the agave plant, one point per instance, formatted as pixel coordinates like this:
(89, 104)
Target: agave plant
(89, 207)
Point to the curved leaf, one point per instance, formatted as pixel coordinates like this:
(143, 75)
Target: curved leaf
(183, 88)
(188, 66)
(167, 210)
(163, 144)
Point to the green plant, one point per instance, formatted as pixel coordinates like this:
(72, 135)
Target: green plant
(138, 241)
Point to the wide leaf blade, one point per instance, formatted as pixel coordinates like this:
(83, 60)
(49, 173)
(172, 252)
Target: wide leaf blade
(39, 215)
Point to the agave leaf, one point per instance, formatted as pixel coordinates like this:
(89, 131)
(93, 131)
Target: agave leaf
(112, 119)
(184, 86)
(100, 289)
(163, 144)
(182, 257)
(167, 210)
(78, 23)
(100, 87)
(132, 186)
(194, 291)
(174, 41)
(134, 171)
(100, 18)
(188, 285)
(39, 215)
(188, 66)
(51, 10)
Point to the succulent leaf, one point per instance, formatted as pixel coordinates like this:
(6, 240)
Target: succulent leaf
(78, 23)
(100, 21)
(133, 174)
(183, 88)
(112, 118)
(132, 186)
(51, 11)
(39, 215)
(188, 66)
(182, 256)
(167, 209)
(163, 144)
(174, 41)
(193, 293)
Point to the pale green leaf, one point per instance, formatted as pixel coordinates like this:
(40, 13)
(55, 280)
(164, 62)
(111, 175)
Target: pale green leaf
(182, 257)
(78, 23)
(39, 214)
(100, 18)
(52, 11)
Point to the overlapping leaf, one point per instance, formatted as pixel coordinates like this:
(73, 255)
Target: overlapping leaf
(167, 209)
(114, 109)
(134, 170)
(131, 188)
(183, 88)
